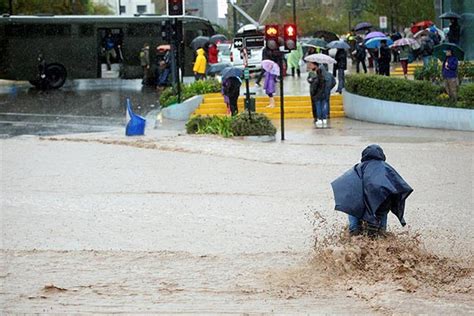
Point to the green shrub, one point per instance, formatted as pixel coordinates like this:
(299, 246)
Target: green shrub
(394, 89)
(218, 125)
(466, 96)
(253, 124)
(433, 72)
(243, 124)
(169, 95)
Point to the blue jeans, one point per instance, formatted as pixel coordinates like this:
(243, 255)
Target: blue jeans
(355, 223)
(322, 109)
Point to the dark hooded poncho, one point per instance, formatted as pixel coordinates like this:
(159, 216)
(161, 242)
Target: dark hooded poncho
(371, 186)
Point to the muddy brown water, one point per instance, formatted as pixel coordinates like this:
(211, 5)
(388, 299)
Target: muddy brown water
(182, 224)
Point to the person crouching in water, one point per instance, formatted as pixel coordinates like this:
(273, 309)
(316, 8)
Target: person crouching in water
(317, 91)
(369, 191)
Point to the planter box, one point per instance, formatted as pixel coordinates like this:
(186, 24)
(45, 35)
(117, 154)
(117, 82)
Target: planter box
(398, 113)
(182, 111)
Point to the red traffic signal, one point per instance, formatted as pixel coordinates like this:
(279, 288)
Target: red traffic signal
(175, 7)
(271, 36)
(289, 36)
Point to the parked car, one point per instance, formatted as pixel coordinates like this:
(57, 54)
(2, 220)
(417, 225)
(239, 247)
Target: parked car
(254, 58)
(224, 52)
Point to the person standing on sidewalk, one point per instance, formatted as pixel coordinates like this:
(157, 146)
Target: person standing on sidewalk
(404, 54)
(385, 56)
(199, 67)
(317, 92)
(450, 73)
(341, 59)
(360, 55)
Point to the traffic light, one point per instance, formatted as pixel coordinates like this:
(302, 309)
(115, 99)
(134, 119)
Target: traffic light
(175, 7)
(166, 31)
(289, 36)
(271, 36)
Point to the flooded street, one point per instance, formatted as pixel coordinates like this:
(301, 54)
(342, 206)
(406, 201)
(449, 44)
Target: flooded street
(172, 223)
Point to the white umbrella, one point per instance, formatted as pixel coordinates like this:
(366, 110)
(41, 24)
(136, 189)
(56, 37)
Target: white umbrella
(320, 59)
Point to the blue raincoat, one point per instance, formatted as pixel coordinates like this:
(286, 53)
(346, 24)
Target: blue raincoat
(370, 185)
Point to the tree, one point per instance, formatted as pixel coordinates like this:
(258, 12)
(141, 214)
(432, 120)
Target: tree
(57, 7)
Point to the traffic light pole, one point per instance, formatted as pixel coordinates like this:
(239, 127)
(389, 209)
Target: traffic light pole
(177, 57)
(282, 99)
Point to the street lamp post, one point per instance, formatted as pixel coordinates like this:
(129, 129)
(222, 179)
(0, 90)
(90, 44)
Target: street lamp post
(119, 7)
(10, 3)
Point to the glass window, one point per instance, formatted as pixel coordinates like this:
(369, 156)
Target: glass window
(141, 9)
(123, 9)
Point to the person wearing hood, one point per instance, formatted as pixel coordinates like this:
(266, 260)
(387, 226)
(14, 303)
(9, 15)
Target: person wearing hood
(369, 191)
(317, 91)
(200, 65)
(294, 60)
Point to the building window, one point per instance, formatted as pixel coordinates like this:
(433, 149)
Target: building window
(141, 9)
(123, 9)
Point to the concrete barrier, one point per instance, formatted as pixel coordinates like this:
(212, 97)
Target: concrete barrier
(398, 113)
(182, 111)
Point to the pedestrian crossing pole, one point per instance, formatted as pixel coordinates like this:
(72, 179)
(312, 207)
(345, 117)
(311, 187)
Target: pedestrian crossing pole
(282, 99)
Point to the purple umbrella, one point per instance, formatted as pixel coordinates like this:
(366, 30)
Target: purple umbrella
(373, 35)
(271, 67)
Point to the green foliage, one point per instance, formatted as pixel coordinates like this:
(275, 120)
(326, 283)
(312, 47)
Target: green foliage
(253, 124)
(169, 95)
(217, 125)
(243, 124)
(433, 72)
(56, 7)
(466, 96)
(407, 91)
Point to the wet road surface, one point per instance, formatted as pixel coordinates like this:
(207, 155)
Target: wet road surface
(82, 106)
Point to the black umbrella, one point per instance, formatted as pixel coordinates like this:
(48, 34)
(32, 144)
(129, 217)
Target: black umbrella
(231, 72)
(215, 69)
(449, 15)
(362, 26)
(199, 42)
(328, 36)
(439, 51)
(218, 38)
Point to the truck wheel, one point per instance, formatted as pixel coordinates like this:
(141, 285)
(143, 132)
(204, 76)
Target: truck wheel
(55, 75)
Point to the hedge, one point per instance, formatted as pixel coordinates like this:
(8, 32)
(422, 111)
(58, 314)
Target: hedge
(406, 91)
(169, 96)
(243, 124)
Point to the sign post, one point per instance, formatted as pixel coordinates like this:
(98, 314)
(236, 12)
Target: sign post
(383, 22)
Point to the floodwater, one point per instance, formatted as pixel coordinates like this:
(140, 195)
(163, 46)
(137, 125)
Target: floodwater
(172, 223)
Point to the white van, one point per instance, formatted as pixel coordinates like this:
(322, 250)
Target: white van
(254, 58)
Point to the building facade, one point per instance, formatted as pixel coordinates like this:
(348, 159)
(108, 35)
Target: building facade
(129, 7)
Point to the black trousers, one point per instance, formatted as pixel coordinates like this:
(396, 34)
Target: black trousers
(233, 104)
(384, 68)
(363, 66)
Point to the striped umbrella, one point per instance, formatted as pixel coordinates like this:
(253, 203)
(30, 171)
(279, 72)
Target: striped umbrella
(404, 42)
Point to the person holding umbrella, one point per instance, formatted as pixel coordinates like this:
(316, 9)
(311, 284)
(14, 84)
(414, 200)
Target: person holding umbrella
(317, 92)
(272, 70)
(384, 58)
(360, 55)
(454, 32)
(231, 83)
(341, 66)
(450, 74)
